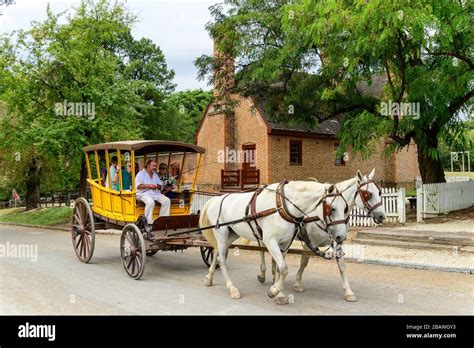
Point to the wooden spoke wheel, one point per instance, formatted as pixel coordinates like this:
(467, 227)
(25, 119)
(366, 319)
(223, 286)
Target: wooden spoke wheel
(151, 252)
(83, 230)
(133, 251)
(207, 254)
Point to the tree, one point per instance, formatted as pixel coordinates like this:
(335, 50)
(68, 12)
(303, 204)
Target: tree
(92, 61)
(5, 3)
(186, 109)
(320, 59)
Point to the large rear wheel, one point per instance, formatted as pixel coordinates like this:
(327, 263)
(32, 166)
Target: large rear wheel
(133, 251)
(207, 255)
(83, 230)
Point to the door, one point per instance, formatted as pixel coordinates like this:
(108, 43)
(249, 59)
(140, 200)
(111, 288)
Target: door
(249, 158)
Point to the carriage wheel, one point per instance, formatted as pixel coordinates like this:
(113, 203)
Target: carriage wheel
(83, 230)
(133, 251)
(151, 252)
(206, 254)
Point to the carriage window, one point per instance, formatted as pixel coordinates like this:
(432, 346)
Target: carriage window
(93, 167)
(339, 161)
(296, 152)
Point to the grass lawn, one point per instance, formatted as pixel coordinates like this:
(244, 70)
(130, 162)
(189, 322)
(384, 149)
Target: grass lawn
(45, 216)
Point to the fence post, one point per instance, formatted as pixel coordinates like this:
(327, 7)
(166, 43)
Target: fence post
(419, 203)
(401, 206)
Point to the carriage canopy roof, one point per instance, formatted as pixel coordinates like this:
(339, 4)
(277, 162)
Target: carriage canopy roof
(147, 146)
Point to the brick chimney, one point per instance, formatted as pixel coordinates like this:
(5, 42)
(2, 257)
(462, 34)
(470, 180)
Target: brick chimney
(224, 76)
(224, 80)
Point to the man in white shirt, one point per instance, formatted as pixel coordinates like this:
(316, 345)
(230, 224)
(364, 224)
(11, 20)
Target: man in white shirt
(149, 186)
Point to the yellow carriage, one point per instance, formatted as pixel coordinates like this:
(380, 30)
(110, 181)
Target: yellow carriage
(115, 205)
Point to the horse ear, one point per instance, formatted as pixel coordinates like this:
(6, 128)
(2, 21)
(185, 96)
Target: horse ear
(372, 174)
(359, 175)
(331, 188)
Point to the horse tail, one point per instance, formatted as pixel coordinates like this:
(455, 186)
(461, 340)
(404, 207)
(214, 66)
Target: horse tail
(203, 222)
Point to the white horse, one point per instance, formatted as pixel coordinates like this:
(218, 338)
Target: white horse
(300, 199)
(367, 197)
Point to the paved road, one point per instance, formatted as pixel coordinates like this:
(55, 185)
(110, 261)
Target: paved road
(57, 283)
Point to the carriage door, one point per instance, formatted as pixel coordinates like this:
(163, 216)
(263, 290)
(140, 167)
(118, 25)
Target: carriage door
(250, 174)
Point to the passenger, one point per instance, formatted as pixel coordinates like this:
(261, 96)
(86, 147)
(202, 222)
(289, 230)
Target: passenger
(114, 174)
(127, 177)
(169, 182)
(149, 186)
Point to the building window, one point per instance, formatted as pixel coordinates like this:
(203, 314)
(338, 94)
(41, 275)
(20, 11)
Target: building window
(339, 161)
(296, 152)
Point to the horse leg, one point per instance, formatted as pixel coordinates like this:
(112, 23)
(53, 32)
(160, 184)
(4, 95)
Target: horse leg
(276, 290)
(299, 275)
(274, 271)
(212, 269)
(349, 295)
(224, 240)
(263, 268)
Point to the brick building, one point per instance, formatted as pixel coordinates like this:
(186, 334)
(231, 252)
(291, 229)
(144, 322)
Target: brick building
(247, 147)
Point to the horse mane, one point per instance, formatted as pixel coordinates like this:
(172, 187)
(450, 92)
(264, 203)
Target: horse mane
(303, 186)
(341, 186)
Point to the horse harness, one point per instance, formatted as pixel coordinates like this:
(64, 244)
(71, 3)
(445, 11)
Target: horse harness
(251, 214)
(365, 196)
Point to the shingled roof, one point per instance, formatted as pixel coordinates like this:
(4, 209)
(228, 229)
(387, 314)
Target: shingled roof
(326, 128)
(329, 127)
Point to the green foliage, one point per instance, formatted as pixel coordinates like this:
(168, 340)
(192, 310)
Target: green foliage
(88, 56)
(186, 109)
(329, 57)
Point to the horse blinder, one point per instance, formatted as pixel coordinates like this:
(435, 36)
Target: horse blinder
(366, 195)
(327, 209)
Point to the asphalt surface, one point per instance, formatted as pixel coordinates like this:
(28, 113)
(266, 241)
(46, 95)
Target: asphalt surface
(173, 283)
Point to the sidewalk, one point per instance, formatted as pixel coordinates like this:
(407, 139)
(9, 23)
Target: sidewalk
(431, 245)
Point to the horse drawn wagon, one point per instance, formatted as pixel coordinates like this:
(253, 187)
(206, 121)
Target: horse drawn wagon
(115, 205)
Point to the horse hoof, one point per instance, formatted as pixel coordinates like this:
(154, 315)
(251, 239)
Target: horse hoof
(208, 281)
(271, 292)
(350, 298)
(261, 279)
(298, 288)
(235, 294)
(281, 300)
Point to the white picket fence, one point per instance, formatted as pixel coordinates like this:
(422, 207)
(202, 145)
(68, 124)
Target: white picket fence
(198, 202)
(442, 198)
(393, 201)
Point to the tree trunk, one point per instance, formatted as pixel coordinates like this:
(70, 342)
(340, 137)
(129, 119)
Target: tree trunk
(33, 180)
(82, 178)
(431, 169)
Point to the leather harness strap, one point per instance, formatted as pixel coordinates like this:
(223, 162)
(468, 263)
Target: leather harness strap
(283, 208)
(251, 214)
(365, 196)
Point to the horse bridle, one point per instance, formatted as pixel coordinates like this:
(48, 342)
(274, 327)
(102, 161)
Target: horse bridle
(365, 196)
(328, 209)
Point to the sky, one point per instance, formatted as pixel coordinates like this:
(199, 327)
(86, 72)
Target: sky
(176, 26)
